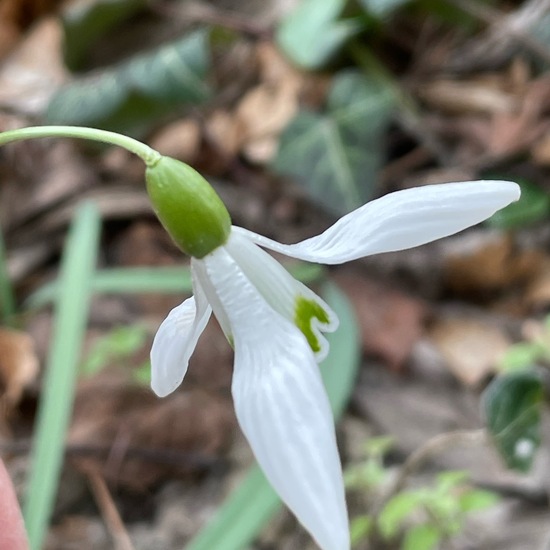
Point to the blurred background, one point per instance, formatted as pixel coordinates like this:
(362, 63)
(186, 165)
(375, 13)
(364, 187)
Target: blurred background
(297, 112)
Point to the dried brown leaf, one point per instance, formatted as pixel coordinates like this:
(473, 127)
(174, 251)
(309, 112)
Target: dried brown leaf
(18, 365)
(470, 346)
(177, 435)
(489, 264)
(390, 322)
(18, 15)
(537, 294)
(34, 70)
(180, 140)
(253, 128)
(515, 131)
(466, 97)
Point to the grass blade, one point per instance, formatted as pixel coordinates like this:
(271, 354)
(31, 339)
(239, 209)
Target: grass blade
(168, 280)
(248, 509)
(7, 297)
(70, 317)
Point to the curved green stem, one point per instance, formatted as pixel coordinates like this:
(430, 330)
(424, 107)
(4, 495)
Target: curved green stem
(148, 155)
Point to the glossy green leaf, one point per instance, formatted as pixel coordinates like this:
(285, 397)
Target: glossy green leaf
(85, 22)
(250, 506)
(130, 95)
(336, 155)
(56, 400)
(533, 206)
(311, 34)
(512, 404)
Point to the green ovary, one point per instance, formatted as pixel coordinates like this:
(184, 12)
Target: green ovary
(188, 207)
(305, 311)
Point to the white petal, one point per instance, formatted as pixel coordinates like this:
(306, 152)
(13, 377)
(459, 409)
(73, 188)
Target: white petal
(401, 220)
(175, 341)
(282, 406)
(284, 293)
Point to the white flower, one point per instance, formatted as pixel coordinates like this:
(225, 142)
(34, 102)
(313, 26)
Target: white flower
(275, 325)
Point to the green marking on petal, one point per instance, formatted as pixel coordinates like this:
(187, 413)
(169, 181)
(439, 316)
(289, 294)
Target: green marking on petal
(306, 310)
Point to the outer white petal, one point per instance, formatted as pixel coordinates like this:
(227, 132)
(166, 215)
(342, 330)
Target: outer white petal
(282, 406)
(281, 291)
(401, 220)
(175, 341)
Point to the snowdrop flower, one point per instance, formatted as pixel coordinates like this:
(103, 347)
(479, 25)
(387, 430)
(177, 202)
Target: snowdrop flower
(276, 324)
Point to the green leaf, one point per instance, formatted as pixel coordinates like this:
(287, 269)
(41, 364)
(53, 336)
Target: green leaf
(56, 400)
(336, 155)
(311, 34)
(360, 528)
(446, 481)
(520, 356)
(85, 22)
(367, 475)
(129, 96)
(251, 505)
(382, 8)
(512, 405)
(118, 344)
(533, 206)
(379, 446)
(474, 500)
(142, 375)
(396, 511)
(421, 537)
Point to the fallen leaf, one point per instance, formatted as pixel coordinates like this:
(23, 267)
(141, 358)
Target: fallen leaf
(16, 16)
(466, 97)
(147, 438)
(390, 322)
(18, 365)
(179, 140)
(224, 133)
(537, 294)
(34, 70)
(44, 175)
(541, 150)
(253, 128)
(263, 113)
(480, 264)
(471, 347)
(515, 131)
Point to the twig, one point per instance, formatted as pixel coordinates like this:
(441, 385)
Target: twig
(109, 512)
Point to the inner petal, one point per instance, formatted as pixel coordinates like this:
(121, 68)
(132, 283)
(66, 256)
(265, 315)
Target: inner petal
(289, 297)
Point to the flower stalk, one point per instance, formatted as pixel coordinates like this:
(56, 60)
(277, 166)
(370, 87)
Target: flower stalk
(149, 156)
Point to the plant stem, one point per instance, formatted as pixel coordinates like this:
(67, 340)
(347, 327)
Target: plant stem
(148, 155)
